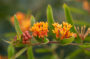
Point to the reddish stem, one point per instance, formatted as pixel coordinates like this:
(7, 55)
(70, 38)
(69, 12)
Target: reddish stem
(54, 42)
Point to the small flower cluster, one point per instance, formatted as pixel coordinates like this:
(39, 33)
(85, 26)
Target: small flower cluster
(25, 37)
(40, 29)
(62, 30)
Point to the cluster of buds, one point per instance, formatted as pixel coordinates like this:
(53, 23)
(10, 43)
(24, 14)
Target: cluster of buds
(62, 30)
(83, 33)
(40, 29)
(25, 37)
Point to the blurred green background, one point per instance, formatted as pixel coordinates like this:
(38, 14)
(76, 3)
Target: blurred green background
(80, 10)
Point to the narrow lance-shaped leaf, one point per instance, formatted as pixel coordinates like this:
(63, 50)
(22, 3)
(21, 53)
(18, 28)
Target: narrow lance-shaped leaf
(29, 50)
(68, 16)
(11, 51)
(17, 27)
(20, 52)
(70, 21)
(32, 20)
(50, 18)
(30, 53)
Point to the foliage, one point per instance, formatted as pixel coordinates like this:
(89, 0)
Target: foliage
(40, 31)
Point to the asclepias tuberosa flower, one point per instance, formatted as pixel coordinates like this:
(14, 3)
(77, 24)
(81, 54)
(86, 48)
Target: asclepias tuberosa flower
(62, 31)
(40, 31)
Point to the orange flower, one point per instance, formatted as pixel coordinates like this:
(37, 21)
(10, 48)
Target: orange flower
(40, 29)
(20, 17)
(23, 21)
(86, 5)
(62, 30)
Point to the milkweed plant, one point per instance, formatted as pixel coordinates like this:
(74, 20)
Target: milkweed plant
(28, 29)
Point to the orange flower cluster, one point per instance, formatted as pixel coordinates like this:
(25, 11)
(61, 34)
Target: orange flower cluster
(40, 29)
(62, 30)
(23, 21)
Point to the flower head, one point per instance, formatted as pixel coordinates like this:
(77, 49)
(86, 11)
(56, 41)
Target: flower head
(40, 29)
(62, 30)
(23, 21)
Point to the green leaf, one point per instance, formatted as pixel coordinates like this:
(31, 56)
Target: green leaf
(17, 27)
(19, 53)
(45, 41)
(42, 40)
(74, 54)
(43, 50)
(50, 56)
(68, 16)
(81, 22)
(70, 21)
(87, 52)
(87, 39)
(54, 56)
(50, 19)
(32, 20)
(78, 11)
(9, 42)
(9, 35)
(67, 40)
(30, 53)
(85, 45)
(11, 51)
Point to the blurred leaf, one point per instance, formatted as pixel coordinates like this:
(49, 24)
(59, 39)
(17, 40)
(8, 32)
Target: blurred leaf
(20, 52)
(43, 50)
(39, 39)
(42, 40)
(32, 20)
(17, 27)
(30, 53)
(9, 35)
(78, 11)
(85, 45)
(50, 18)
(87, 52)
(52, 56)
(68, 16)
(67, 41)
(74, 54)
(9, 42)
(45, 41)
(81, 23)
(46, 57)
(87, 39)
(11, 51)
(53, 46)
(70, 21)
